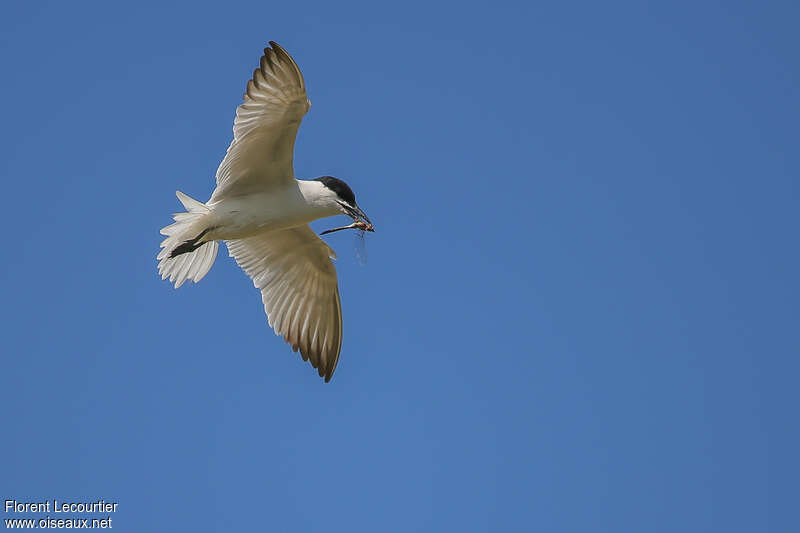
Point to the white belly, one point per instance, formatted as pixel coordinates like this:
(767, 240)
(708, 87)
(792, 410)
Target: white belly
(245, 216)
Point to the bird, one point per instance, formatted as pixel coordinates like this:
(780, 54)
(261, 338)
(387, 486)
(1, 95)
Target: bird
(261, 212)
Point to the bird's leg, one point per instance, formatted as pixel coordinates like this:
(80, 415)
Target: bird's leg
(188, 246)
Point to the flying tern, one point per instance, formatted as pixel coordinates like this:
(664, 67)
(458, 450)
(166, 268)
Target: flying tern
(262, 213)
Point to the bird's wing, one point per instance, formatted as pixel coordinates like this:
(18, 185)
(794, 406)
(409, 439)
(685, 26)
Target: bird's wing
(260, 155)
(293, 270)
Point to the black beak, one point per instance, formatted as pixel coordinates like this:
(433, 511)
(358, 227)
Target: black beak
(356, 213)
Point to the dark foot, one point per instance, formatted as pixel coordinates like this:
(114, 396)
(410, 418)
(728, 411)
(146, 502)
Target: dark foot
(188, 246)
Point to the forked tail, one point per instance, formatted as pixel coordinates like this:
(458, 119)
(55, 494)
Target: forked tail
(182, 254)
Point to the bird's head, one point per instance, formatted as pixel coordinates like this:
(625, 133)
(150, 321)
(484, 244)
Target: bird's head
(339, 196)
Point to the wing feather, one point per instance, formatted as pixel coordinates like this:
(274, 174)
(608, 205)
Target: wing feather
(293, 270)
(264, 131)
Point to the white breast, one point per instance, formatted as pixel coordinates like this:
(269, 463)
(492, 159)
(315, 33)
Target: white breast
(245, 216)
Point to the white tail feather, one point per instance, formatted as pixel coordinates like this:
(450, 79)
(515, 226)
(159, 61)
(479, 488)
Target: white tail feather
(192, 265)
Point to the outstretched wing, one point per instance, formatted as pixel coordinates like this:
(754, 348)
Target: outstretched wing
(261, 153)
(293, 270)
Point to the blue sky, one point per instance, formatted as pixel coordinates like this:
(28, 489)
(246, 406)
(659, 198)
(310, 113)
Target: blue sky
(579, 311)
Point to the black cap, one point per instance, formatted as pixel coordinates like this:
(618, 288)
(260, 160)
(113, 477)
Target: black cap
(341, 189)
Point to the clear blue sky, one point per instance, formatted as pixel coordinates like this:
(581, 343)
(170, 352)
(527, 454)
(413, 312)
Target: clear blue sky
(580, 308)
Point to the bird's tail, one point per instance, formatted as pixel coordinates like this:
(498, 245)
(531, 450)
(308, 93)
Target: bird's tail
(182, 256)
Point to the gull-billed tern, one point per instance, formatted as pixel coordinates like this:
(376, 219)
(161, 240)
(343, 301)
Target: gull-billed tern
(262, 213)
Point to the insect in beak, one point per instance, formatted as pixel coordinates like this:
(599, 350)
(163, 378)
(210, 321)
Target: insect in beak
(362, 221)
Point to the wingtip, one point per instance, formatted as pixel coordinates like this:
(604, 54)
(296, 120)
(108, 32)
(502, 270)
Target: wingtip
(274, 47)
(279, 54)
